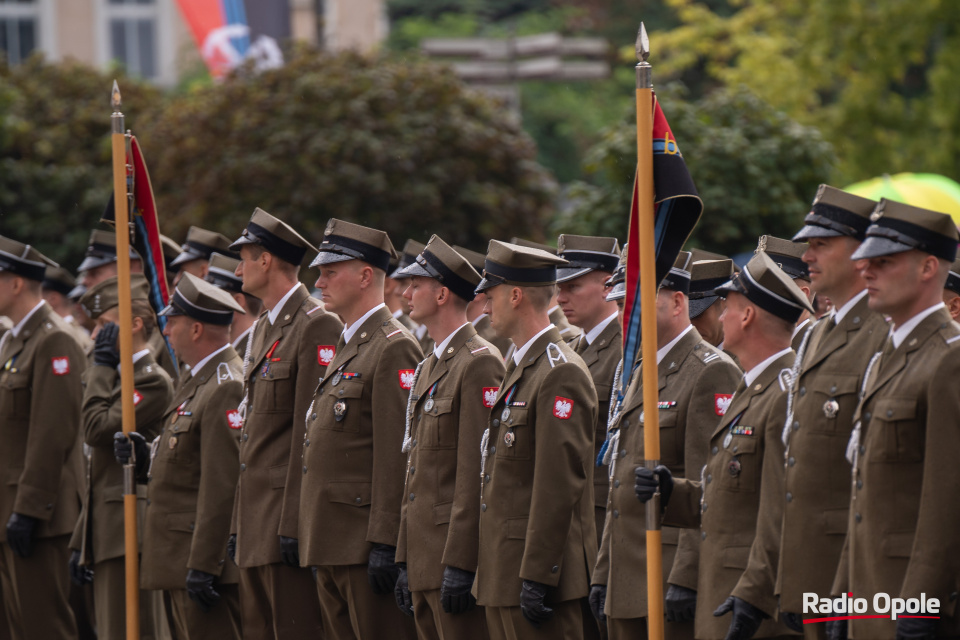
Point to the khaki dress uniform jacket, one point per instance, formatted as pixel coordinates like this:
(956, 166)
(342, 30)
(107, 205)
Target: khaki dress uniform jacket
(902, 533)
(825, 397)
(695, 381)
(740, 481)
(536, 520)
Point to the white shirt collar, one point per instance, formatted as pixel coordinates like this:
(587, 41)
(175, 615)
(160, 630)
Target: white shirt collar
(348, 332)
(20, 325)
(477, 320)
(522, 351)
(800, 327)
(275, 312)
(552, 309)
(199, 365)
(420, 331)
(440, 348)
(662, 353)
(900, 333)
(842, 312)
(137, 356)
(398, 313)
(242, 336)
(594, 333)
(751, 376)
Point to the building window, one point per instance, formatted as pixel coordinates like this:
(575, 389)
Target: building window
(133, 35)
(19, 26)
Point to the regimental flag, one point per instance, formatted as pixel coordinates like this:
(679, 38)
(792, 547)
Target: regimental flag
(677, 208)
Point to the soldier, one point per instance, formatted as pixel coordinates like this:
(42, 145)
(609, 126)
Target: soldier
(221, 272)
(195, 252)
(567, 331)
(446, 416)
(40, 395)
(706, 306)
(289, 351)
(951, 290)
(829, 374)
(902, 534)
(98, 538)
(582, 295)
(475, 314)
(57, 285)
(788, 255)
(537, 528)
(193, 472)
(743, 476)
(394, 284)
(171, 251)
(352, 464)
(696, 380)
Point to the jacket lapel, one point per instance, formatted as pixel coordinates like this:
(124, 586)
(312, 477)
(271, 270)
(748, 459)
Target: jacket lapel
(839, 335)
(605, 340)
(536, 349)
(13, 345)
(456, 343)
(363, 335)
(745, 395)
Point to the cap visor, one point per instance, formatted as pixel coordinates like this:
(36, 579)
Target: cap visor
(698, 306)
(815, 231)
(76, 292)
(565, 275)
(239, 242)
(619, 292)
(725, 288)
(486, 284)
(874, 247)
(92, 262)
(186, 256)
(168, 311)
(329, 257)
(409, 271)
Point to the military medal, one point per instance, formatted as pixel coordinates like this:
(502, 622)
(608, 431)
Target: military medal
(336, 378)
(428, 405)
(339, 410)
(734, 467)
(641, 417)
(509, 438)
(173, 442)
(831, 408)
(727, 439)
(506, 414)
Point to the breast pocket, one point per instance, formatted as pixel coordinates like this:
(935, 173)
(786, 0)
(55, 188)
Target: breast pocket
(516, 436)
(180, 440)
(437, 428)
(741, 464)
(671, 440)
(274, 388)
(343, 406)
(16, 394)
(834, 398)
(894, 434)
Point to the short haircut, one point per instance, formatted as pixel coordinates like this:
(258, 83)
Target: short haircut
(540, 297)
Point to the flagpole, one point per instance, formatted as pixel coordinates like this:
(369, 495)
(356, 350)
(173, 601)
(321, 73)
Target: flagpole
(648, 323)
(122, 228)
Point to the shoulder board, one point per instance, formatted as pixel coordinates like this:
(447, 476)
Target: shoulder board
(475, 346)
(392, 328)
(953, 339)
(555, 354)
(950, 332)
(785, 378)
(708, 354)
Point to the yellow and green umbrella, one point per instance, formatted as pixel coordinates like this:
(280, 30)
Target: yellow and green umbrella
(926, 190)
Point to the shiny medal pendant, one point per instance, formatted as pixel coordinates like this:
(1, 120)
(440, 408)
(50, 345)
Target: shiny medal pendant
(505, 415)
(173, 420)
(641, 417)
(734, 467)
(727, 439)
(173, 442)
(831, 408)
(339, 410)
(428, 405)
(509, 438)
(336, 378)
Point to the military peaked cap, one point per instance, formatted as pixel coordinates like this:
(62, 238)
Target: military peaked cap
(705, 276)
(411, 249)
(518, 265)
(836, 213)
(200, 244)
(896, 227)
(59, 279)
(440, 262)
(202, 301)
(106, 295)
(275, 236)
(101, 250)
(586, 254)
(678, 278)
(23, 260)
(769, 287)
(221, 272)
(347, 241)
(787, 254)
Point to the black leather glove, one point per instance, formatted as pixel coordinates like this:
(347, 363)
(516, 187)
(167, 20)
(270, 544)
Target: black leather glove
(598, 600)
(746, 618)
(79, 575)
(794, 621)
(680, 604)
(916, 629)
(836, 630)
(20, 534)
(232, 547)
(455, 596)
(290, 551)
(401, 591)
(200, 589)
(649, 481)
(133, 443)
(531, 603)
(106, 350)
(382, 569)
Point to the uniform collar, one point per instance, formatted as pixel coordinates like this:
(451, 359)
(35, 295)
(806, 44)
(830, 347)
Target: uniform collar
(594, 333)
(275, 312)
(800, 327)
(195, 368)
(842, 312)
(440, 348)
(900, 333)
(348, 332)
(522, 351)
(751, 376)
(15, 332)
(663, 351)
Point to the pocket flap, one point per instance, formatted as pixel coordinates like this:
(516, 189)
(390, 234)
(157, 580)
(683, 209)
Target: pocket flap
(346, 389)
(892, 409)
(517, 528)
(354, 493)
(516, 418)
(16, 381)
(668, 417)
(441, 512)
(744, 444)
(181, 521)
(441, 406)
(278, 371)
(835, 384)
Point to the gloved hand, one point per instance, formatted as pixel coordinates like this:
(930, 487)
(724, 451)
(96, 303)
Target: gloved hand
(382, 570)
(401, 591)
(531, 603)
(455, 596)
(649, 481)
(133, 443)
(680, 604)
(746, 618)
(106, 350)
(232, 547)
(916, 629)
(598, 600)
(794, 621)
(200, 589)
(290, 551)
(836, 630)
(20, 530)
(79, 575)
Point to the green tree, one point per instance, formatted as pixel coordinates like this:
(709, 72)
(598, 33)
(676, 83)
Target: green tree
(400, 146)
(55, 167)
(756, 171)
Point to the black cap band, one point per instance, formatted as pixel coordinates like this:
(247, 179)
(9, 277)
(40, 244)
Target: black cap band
(541, 275)
(277, 246)
(590, 260)
(360, 250)
(55, 285)
(766, 299)
(793, 267)
(26, 268)
(836, 219)
(915, 237)
(447, 277)
(953, 282)
(209, 316)
(704, 288)
(677, 280)
(223, 282)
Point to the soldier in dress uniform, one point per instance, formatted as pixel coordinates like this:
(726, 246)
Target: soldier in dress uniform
(743, 476)
(788, 255)
(196, 250)
(353, 466)
(695, 380)
(222, 272)
(902, 535)
(446, 416)
(567, 330)
(394, 284)
(57, 285)
(98, 538)
(951, 290)
(171, 251)
(193, 470)
(706, 306)
(827, 381)
(537, 529)
(475, 314)
(289, 352)
(40, 394)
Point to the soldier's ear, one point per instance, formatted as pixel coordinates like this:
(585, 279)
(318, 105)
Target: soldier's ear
(953, 306)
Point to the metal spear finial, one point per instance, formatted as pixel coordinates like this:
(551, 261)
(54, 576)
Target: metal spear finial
(643, 44)
(115, 97)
